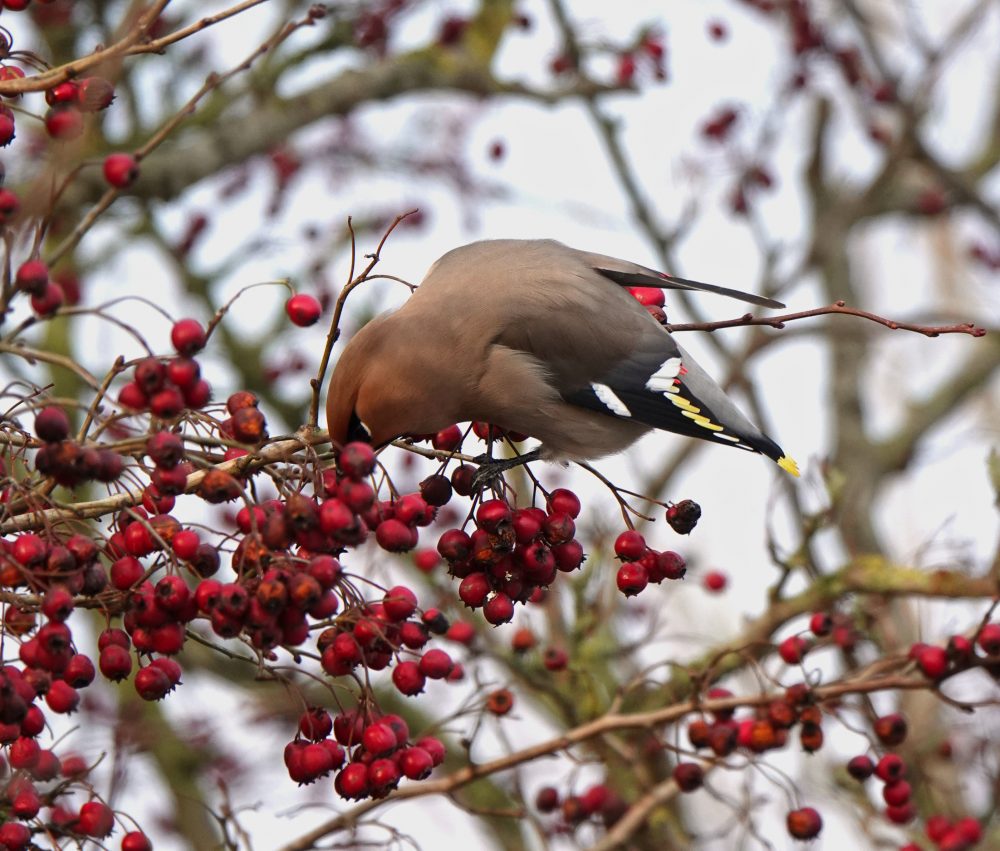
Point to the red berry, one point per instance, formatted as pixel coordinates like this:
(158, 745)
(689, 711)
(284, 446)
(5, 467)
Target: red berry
(23, 753)
(717, 31)
(555, 659)
(184, 372)
(188, 337)
(435, 664)
(989, 639)
(793, 649)
(65, 92)
(395, 536)
(630, 546)
(460, 632)
(897, 793)
(547, 799)
(62, 698)
(804, 823)
(14, 836)
(32, 277)
(455, 545)
(969, 829)
(51, 299)
(474, 590)
(648, 295)
(352, 781)
(357, 460)
(860, 768)
(891, 729)
(407, 677)
(563, 501)
(415, 763)
(632, 578)
(821, 624)
(932, 661)
(498, 609)
(379, 739)
(52, 424)
(890, 768)
(126, 572)
(6, 127)
(64, 123)
(492, 514)
(448, 439)
(93, 95)
(688, 776)
(131, 396)
(902, 814)
(115, 662)
(303, 309)
(715, 581)
(167, 403)
(9, 206)
(136, 841)
(96, 819)
(151, 683)
(120, 170)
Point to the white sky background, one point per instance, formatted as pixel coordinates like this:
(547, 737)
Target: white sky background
(560, 186)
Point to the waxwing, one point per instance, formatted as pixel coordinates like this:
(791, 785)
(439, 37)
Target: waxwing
(539, 338)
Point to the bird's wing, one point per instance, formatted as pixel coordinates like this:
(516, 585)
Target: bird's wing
(661, 386)
(629, 274)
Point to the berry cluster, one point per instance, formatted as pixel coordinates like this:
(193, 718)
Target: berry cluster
(512, 554)
(377, 748)
(167, 388)
(598, 802)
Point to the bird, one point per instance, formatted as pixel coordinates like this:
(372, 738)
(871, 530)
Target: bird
(535, 337)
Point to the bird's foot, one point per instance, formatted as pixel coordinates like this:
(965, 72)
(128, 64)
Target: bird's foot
(491, 469)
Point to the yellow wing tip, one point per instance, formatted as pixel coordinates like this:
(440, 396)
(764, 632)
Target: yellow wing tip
(788, 465)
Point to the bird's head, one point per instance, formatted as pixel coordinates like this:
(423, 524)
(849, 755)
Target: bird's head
(381, 388)
(349, 389)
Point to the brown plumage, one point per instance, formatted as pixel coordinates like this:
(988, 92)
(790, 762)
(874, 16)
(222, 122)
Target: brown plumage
(536, 337)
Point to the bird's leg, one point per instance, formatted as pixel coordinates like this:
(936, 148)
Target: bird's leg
(490, 468)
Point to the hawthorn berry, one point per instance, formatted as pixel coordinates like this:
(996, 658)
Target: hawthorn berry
(630, 545)
(932, 661)
(94, 94)
(64, 123)
(357, 460)
(688, 776)
(352, 781)
(890, 768)
(96, 819)
(188, 337)
(632, 578)
(49, 301)
(683, 516)
(793, 649)
(715, 581)
(303, 309)
(891, 729)
(492, 514)
(498, 609)
(32, 277)
(136, 841)
(804, 823)
(860, 768)
(120, 170)
(408, 678)
(989, 639)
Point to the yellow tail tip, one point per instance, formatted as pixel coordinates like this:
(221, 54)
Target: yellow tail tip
(788, 465)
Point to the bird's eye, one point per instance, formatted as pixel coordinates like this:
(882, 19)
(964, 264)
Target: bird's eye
(357, 430)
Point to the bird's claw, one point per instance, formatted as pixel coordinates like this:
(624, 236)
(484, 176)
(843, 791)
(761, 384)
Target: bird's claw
(487, 474)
